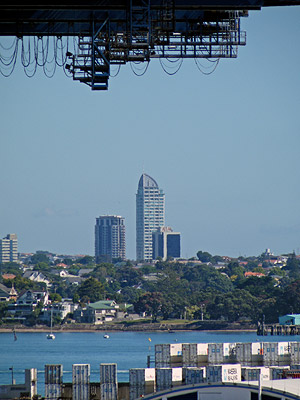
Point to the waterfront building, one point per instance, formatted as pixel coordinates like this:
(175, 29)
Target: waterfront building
(150, 215)
(9, 248)
(165, 243)
(109, 238)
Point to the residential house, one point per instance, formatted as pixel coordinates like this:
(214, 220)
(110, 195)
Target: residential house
(7, 294)
(26, 303)
(61, 309)
(37, 276)
(98, 313)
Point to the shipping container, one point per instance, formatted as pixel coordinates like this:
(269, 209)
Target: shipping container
(229, 352)
(244, 353)
(108, 373)
(53, 391)
(168, 355)
(270, 353)
(295, 353)
(54, 374)
(254, 373)
(215, 353)
(81, 374)
(189, 354)
(162, 356)
(191, 376)
(278, 372)
(223, 373)
(109, 391)
(168, 377)
(141, 376)
(53, 381)
(81, 381)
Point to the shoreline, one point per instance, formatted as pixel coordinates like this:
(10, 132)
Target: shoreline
(153, 327)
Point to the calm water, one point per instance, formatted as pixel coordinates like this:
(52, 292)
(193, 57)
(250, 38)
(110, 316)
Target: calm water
(127, 349)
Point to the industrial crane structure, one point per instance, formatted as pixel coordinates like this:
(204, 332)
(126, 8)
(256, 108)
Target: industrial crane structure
(90, 38)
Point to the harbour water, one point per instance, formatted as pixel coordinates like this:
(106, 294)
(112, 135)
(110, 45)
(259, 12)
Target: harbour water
(127, 349)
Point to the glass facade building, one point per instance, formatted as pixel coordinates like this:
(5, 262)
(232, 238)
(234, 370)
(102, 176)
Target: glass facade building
(150, 215)
(109, 238)
(166, 243)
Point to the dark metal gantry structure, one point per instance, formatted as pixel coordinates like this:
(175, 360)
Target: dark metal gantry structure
(120, 31)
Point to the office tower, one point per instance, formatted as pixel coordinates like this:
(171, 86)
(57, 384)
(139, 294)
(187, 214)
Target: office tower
(109, 238)
(166, 243)
(150, 215)
(9, 248)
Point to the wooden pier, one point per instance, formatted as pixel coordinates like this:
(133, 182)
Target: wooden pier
(278, 330)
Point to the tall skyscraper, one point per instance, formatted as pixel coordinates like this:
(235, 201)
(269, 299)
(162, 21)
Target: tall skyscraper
(9, 248)
(150, 215)
(166, 243)
(109, 238)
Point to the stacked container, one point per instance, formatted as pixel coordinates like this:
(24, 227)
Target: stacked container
(249, 353)
(254, 373)
(168, 355)
(284, 353)
(53, 381)
(215, 353)
(190, 355)
(277, 372)
(223, 373)
(192, 376)
(229, 353)
(270, 353)
(295, 353)
(141, 382)
(81, 381)
(108, 381)
(167, 378)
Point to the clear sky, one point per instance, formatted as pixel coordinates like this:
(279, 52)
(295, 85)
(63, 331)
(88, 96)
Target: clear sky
(224, 148)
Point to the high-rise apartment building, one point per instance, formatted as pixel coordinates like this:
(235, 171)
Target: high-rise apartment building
(9, 248)
(150, 215)
(166, 243)
(109, 238)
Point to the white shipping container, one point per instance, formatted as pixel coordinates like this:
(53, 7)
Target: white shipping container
(108, 391)
(108, 373)
(228, 349)
(283, 348)
(81, 374)
(256, 348)
(202, 349)
(223, 373)
(176, 349)
(176, 374)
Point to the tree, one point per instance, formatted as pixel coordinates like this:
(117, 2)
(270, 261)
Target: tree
(204, 256)
(38, 258)
(151, 304)
(233, 306)
(86, 260)
(91, 288)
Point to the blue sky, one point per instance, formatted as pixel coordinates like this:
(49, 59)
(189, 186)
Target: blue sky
(223, 147)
